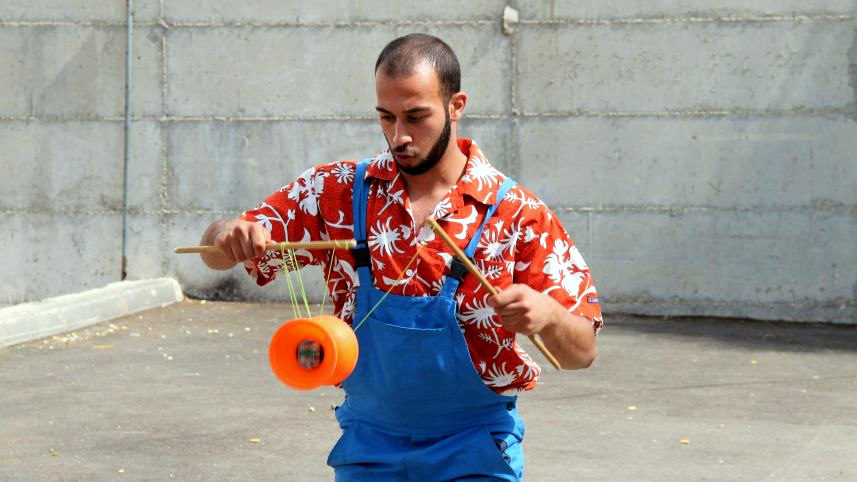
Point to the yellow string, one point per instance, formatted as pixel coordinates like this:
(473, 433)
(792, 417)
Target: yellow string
(394, 284)
(327, 279)
(297, 266)
(292, 295)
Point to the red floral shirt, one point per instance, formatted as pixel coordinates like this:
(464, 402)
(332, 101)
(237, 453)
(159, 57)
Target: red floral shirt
(522, 243)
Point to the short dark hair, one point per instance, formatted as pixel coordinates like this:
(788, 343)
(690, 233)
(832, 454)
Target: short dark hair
(402, 56)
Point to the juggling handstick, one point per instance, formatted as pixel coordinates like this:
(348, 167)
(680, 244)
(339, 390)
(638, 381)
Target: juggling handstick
(329, 244)
(487, 285)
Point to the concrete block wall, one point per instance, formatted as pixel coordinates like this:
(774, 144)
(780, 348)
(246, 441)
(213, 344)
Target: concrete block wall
(707, 150)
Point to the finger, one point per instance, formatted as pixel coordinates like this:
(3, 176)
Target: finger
(247, 248)
(258, 241)
(509, 295)
(264, 235)
(225, 248)
(514, 324)
(514, 305)
(517, 324)
(514, 319)
(501, 299)
(237, 249)
(507, 313)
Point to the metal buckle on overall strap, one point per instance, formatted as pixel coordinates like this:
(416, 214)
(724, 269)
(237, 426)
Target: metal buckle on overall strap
(361, 254)
(457, 269)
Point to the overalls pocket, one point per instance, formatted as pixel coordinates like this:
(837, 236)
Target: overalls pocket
(340, 454)
(424, 371)
(365, 454)
(504, 451)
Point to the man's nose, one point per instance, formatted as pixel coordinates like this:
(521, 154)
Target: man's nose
(400, 135)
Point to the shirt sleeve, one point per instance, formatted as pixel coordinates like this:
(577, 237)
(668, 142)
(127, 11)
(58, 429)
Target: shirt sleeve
(549, 262)
(291, 213)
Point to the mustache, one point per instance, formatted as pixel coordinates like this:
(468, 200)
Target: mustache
(403, 149)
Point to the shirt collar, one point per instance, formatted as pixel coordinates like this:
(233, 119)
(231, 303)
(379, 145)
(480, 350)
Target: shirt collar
(479, 181)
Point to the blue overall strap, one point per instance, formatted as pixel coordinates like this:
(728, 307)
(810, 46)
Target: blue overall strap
(457, 270)
(358, 209)
(358, 201)
(509, 183)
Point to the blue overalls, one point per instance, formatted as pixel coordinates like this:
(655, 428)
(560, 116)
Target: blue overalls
(415, 407)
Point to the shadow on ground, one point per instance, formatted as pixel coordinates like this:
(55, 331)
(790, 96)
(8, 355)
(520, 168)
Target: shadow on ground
(750, 334)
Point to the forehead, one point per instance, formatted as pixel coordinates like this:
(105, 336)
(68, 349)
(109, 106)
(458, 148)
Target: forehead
(422, 85)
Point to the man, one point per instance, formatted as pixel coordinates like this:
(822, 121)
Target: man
(433, 393)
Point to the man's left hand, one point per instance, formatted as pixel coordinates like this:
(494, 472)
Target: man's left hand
(569, 337)
(523, 309)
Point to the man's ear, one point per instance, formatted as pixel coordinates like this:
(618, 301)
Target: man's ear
(456, 105)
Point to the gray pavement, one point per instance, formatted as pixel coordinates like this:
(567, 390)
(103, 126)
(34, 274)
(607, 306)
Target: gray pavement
(185, 393)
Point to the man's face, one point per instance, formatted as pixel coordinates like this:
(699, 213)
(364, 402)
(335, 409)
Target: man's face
(414, 118)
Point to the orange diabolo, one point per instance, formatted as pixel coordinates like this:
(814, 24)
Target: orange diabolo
(306, 353)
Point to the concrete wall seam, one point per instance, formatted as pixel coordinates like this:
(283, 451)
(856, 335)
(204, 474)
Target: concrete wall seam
(705, 151)
(807, 17)
(830, 112)
(166, 22)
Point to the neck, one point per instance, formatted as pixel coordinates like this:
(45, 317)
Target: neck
(441, 177)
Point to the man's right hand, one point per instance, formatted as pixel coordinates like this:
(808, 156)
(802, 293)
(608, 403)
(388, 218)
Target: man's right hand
(238, 240)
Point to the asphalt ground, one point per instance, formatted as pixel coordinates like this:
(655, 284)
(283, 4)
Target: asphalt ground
(186, 393)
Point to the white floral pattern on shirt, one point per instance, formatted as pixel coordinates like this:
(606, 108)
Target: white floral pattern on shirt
(523, 242)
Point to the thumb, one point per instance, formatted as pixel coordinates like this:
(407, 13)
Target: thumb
(497, 299)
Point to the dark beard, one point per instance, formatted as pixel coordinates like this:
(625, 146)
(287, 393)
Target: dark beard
(433, 156)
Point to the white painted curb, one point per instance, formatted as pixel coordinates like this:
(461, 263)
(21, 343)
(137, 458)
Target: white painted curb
(30, 321)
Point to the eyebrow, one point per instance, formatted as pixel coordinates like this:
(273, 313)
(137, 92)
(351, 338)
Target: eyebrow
(412, 110)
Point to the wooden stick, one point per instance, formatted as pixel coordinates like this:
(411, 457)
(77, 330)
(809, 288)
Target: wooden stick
(475, 272)
(332, 244)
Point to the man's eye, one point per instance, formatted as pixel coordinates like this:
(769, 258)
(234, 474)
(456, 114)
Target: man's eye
(416, 119)
(387, 118)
